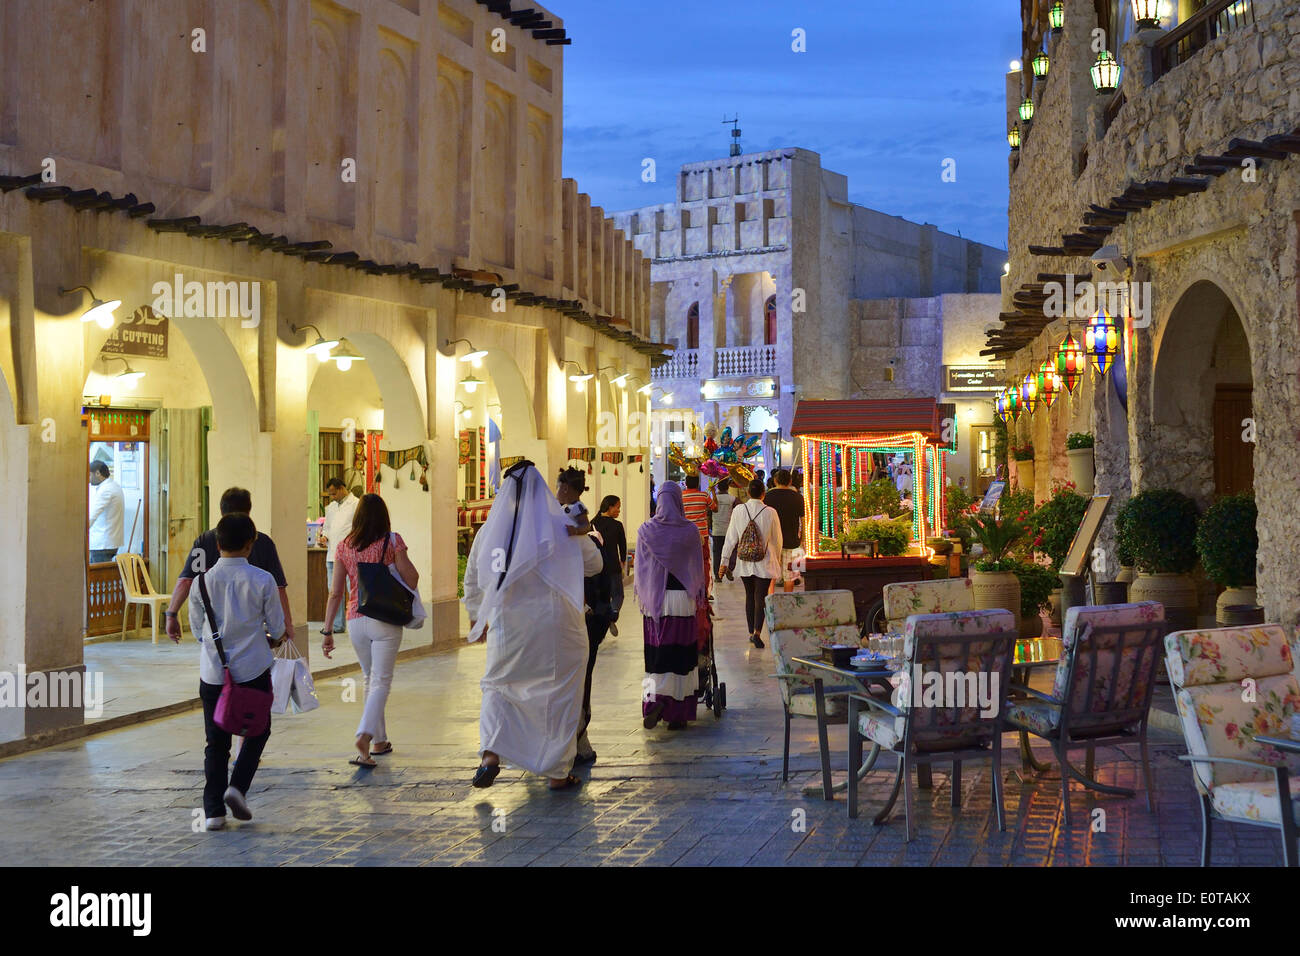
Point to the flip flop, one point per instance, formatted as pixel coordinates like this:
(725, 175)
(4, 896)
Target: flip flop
(485, 774)
(358, 762)
(569, 783)
(380, 753)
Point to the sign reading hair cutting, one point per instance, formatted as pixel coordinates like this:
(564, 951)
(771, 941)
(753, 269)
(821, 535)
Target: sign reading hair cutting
(144, 334)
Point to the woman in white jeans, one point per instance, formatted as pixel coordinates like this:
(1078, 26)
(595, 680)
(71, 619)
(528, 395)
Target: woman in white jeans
(376, 642)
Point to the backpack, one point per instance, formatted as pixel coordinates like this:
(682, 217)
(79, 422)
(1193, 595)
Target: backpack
(751, 547)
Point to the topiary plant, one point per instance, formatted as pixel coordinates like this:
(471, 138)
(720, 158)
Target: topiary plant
(1227, 541)
(891, 537)
(1057, 521)
(1036, 584)
(880, 497)
(1078, 440)
(1158, 529)
(1121, 550)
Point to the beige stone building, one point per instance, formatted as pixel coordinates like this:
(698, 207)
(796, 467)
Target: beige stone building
(387, 173)
(1189, 169)
(771, 286)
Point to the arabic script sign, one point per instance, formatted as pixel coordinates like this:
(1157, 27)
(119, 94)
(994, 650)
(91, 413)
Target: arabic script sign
(144, 334)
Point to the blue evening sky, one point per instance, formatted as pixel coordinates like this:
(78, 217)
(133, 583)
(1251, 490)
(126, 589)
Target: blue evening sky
(885, 92)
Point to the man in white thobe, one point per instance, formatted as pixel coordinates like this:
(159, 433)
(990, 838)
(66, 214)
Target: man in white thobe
(524, 593)
(338, 525)
(105, 517)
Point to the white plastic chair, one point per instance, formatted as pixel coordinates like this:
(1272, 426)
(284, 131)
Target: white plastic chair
(139, 592)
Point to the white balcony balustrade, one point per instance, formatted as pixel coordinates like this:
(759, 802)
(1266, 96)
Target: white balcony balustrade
(746, 362)
(683, 365)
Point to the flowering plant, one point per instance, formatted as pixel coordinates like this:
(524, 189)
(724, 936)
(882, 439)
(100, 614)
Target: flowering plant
(1057, 521)
(1078, 440)
(997, 536)
(1023, 452)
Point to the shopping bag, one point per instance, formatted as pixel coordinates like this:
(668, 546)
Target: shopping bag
(303, 692)
(282, 671)
(417, 606)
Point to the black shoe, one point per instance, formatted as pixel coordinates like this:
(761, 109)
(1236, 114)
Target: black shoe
(583, 759)
(652, 718)
(485, 774)
(677, 725)
(757, 641)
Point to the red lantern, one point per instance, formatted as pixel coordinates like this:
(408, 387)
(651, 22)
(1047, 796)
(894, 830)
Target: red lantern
(1049, 384)
(1069, 362)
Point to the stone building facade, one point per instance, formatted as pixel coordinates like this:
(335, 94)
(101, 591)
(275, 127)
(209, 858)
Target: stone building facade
(764, 281)
(387, 172)
(1181, 169)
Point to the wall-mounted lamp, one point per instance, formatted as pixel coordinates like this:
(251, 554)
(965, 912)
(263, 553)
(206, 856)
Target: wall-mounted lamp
(321, 347)
(470, 383)
(466, 412)
(473, 356)
(100, 311)
(128, 377)
(582, 377)
(345, 355)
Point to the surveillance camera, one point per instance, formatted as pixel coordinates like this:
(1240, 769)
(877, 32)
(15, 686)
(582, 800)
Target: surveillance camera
(1108, 257)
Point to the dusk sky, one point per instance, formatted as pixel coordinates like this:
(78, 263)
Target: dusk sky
(885, 92)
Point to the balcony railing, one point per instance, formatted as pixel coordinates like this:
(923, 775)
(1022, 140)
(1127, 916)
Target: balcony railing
(1213, 20)
(744, 362)
(684, 364)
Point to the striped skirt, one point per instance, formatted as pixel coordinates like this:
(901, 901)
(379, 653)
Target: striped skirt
(671, 662)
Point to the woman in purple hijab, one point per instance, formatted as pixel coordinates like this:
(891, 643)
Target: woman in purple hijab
(670, 586)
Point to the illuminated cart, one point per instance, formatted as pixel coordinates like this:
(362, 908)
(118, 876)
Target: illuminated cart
(842, 443)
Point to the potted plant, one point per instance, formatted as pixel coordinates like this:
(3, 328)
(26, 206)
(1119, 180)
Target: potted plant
(889, 537)
(1158, 528)
(1056, 522)
(1036, 583)
(879, 497)
(957, 506)
(1127, 572)
(1227, 542)
(1024, 456)
(993, 578)
(1078, 449)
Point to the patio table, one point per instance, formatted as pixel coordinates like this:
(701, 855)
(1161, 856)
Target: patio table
(847, 680)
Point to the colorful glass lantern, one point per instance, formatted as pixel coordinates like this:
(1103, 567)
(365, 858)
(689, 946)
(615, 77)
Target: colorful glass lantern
(1040, 63)
(1101, 340)
(1027, 111)
(1013, 137)
(1013, 402)
(1000, 406)
(1056, 16)
(1106, 73)
(1069, 362)
(1029, 393)
(1147, 14)
(1049, 383)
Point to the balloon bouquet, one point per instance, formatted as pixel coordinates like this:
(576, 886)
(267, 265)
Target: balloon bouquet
(722, 455)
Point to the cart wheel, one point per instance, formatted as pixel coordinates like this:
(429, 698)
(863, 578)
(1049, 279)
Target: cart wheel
(717, 707)
(875, 621)
(722, 695)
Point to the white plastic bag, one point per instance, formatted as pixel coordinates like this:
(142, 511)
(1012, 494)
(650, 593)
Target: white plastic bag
(282, 673)
(302, 689)
(417, 606)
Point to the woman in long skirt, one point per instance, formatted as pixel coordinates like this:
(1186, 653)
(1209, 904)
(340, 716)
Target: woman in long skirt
(671, 586)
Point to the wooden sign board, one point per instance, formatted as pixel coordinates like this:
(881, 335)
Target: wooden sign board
(1076, 561)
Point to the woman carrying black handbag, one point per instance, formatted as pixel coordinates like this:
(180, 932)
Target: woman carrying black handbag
(375, 613)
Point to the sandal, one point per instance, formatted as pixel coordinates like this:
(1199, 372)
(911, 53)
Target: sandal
(380, 753)
(569, 783)
(485, 774)
(358, 762)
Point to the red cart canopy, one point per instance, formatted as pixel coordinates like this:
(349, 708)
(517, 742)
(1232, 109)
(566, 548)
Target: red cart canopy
(883, 415)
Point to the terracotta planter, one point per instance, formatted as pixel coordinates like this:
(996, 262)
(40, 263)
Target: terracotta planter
(996, 589)
(1177, 592)
(1230, 597)
(1054, 601)
(1025, 474)
(1081, 469)
(1240, 615)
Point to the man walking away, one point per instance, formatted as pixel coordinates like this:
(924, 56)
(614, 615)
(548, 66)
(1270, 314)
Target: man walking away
(338, 525)
(105, 517)
(697, 506)
(204, 554)
(789, 507)
(723, 502)
(246, 609)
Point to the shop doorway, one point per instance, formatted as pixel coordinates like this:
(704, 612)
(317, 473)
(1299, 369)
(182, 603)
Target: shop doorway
(1234, 458)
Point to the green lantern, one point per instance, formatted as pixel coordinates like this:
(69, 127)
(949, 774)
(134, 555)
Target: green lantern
(1040, 64)
(1106, 73)
(1013, 137)
(1027, 111)
(1056, 16)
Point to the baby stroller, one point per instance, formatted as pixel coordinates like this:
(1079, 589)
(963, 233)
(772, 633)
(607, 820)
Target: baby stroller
(711, 692)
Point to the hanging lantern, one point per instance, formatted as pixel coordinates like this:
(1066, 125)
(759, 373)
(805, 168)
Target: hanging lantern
(1000, 406)
(1013, 402)
(1039, 64)
(1027, 110)
(1147, 14)
(1106, 73)
(1056, 16)
(1069, 362)
(1049, 383)
(1029, 393)
(1013, 137)
(1101, 340)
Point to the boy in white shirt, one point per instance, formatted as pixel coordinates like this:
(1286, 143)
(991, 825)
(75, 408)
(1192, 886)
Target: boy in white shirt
(246, 605)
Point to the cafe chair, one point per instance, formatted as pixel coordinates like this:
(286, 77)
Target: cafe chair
(800, 624)
(1232, 684)
(1101, 694)
(976, 648)
(926, 597)
(139, 592)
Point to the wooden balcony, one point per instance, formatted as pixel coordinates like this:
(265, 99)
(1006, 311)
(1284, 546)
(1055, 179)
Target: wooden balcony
(1183, 42)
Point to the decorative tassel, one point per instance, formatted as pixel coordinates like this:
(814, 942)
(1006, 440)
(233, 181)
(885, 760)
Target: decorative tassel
(643, 469)
(616, 471)
(590, 470)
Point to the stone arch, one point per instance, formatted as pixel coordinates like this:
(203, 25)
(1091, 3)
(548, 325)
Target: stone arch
(1203, 340)
(518, 422)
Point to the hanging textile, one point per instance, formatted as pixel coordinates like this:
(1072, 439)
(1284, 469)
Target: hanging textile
(373, 477)
(494, 459)
(482, 463)
(611, 457)
(397, 459)
(583, 454)
(465, 446)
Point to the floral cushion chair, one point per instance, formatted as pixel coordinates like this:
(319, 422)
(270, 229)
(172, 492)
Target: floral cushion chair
(800, 625)
(1102, 691)
(926, 597)
(954, 718)
(1231, 685)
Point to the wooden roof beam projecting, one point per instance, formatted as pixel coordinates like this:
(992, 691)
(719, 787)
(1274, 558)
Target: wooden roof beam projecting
(318, 252)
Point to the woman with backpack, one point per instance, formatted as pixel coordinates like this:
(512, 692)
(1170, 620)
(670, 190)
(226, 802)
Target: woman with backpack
(376, 642)
(754, 545)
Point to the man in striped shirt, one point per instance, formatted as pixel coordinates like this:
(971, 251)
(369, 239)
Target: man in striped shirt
(697, 505)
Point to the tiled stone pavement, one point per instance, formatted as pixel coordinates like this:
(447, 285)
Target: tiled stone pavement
(709, 795)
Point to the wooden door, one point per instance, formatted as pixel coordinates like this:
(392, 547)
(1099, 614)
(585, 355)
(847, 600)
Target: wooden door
(181, 489)
(1234, 465)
